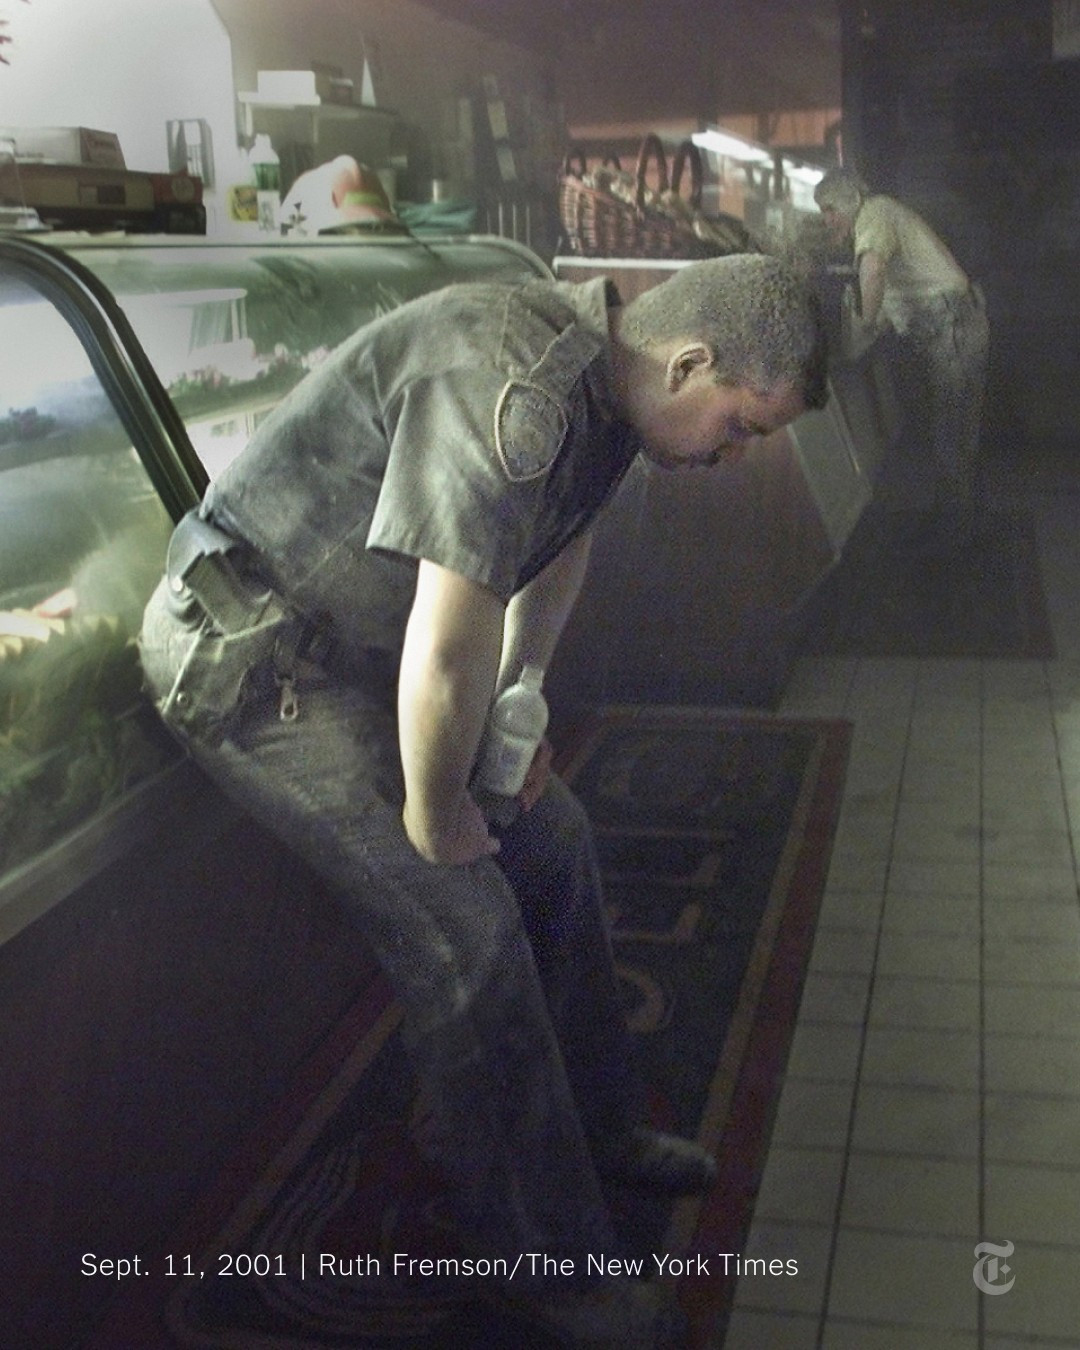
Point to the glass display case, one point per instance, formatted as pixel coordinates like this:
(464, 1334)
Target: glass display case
(134, 370)
(82, 529)
(230, 328)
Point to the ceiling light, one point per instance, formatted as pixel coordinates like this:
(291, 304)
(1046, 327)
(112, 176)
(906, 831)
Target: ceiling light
(733, 147)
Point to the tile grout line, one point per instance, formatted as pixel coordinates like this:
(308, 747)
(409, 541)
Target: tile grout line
(823, 1321)
(980, 1303)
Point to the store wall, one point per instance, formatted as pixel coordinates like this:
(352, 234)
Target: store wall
(125, 66)
(417, 63)
(128, 66)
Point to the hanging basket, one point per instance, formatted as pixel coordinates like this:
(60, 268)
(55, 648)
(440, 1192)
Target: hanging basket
(613, 214)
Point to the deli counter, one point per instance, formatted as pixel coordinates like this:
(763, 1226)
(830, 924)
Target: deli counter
(134, 369)
(143, 1023)
(165, 964)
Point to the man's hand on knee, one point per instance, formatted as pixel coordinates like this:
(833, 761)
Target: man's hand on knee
(462, 837)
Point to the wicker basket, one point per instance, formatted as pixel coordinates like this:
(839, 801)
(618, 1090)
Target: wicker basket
(599, 224)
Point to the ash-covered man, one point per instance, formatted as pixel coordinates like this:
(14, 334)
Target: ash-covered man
(910, 279)
(407, 531)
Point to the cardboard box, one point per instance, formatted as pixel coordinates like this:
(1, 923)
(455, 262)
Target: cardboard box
(293, 87)
(66, 145)
(302, 88)
(176, 188)
(340, 90)
(85, 196)
(88, 189)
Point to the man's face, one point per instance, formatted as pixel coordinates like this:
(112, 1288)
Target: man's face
(838, 224)
(703, 423)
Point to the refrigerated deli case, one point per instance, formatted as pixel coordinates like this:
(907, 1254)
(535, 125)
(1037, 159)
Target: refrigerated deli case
(133, 371)
(143, 1022)
(136, 368)
(154, 1015)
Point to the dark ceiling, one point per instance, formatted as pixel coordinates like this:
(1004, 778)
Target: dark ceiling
(618, 60)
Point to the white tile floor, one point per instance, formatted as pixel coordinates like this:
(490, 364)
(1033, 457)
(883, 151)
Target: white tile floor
(932, 1099)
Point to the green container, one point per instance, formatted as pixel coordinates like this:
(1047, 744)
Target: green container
(268, 177)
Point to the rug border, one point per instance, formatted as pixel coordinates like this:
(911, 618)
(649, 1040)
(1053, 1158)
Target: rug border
(724, 1218)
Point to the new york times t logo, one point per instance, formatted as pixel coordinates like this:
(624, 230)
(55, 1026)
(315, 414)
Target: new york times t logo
(992, 1267)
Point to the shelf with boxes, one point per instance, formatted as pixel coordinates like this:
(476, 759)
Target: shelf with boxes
(316, 96)
(310, 118)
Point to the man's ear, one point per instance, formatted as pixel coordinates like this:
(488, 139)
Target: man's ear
(685, 361)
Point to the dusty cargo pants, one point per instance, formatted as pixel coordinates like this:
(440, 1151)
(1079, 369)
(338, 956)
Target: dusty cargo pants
(503, 967)
(946, 349)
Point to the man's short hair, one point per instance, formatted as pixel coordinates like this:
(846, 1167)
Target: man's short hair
(842, 190)
(761, 321)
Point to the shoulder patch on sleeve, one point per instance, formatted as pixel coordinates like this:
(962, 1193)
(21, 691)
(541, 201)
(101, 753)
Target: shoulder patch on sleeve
(530, 427)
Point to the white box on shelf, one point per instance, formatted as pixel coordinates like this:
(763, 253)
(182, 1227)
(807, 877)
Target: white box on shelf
(292, 86)
(66, 145)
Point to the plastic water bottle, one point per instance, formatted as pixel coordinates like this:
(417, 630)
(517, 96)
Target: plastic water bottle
(266, 170)
(516, 722)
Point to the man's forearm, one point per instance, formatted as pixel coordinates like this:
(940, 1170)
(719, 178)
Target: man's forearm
(537, 615)
(441, 715)
(448, 667)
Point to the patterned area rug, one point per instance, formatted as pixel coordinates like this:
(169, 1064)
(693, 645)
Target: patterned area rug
(714, 832)
(905, 587)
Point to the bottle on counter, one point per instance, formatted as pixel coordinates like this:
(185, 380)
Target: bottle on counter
(515, 725)
(266, 171)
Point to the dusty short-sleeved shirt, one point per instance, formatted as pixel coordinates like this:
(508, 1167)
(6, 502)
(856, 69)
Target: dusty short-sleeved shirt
(918, 266)
(472, 427)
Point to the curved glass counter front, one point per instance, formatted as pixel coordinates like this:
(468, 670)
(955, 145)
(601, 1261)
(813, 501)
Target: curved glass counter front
(133, 371)
(230, 328)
